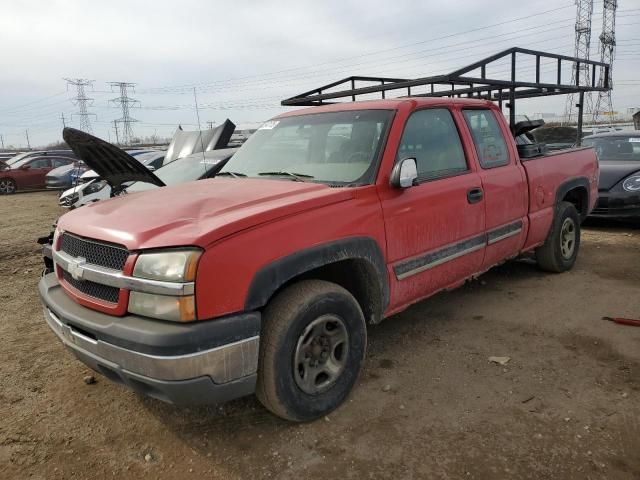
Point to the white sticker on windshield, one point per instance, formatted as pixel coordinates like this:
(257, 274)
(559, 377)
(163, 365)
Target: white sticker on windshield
(270, 125)
(634, 139)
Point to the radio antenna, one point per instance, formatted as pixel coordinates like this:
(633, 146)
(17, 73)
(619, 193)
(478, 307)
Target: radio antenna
(204, 161)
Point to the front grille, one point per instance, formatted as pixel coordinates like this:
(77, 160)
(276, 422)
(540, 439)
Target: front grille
(95, 253)
(92, 289)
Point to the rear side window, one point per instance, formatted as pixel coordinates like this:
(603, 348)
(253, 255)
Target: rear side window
(487, 137)
(40, 163)
(58, 162)
(431, 137)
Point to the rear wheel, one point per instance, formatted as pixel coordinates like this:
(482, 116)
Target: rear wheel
(560, 250)
(7, 186)
(312, 346)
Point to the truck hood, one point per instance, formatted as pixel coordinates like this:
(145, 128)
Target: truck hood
(196, 213)
(613, 172)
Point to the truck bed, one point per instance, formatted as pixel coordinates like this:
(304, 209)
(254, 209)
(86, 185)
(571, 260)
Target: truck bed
(547, 175)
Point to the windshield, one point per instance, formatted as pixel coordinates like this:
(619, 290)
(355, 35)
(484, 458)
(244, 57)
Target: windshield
(179, 171)
(17, 158)
(615, 148)
(336, 148)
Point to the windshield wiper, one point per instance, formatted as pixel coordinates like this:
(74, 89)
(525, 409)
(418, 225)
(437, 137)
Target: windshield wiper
(299, 177)
(230, 174)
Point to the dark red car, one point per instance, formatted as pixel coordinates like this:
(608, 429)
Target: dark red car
(29, 173)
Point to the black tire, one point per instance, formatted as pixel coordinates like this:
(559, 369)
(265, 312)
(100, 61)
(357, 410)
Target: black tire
(7, 186)
(285, 320)
(555, 255)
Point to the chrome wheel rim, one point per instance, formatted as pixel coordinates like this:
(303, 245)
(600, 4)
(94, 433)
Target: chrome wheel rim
(321, 354)
(6, 186)
(567, 238)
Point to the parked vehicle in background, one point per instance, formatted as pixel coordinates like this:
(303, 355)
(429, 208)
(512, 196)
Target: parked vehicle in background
(60, 178)
(76, 176)
(29, 173)
(40, 153)
(185, 143)
(619, 186)
(151, 160)
(192, 167)
(262, 278)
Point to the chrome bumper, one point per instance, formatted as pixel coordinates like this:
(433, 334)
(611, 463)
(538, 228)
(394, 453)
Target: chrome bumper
(222, 364)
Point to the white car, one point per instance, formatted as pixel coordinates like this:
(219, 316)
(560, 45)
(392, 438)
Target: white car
(91, 188)
(192, 167)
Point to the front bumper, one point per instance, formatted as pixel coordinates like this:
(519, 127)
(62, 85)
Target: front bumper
(203, 362)
(617, 205)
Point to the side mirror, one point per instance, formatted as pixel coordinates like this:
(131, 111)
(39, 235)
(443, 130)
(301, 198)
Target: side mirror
(404, 173)
(25, 167)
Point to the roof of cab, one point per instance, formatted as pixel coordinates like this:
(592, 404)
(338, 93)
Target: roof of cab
(387, 104)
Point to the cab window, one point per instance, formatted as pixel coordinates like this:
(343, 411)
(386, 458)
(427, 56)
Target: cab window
(431, 137)
(487, 138)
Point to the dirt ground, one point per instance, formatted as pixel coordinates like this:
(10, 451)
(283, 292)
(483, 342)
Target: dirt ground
(429, 404)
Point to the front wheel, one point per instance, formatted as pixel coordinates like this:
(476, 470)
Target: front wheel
(560, 250)
(7, 186)
(312, 345)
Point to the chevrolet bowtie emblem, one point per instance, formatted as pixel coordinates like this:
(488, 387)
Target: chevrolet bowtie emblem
(75, 268)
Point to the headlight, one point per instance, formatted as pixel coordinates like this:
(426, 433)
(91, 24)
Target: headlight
(165, 307)
(168, 266)
(632, 184)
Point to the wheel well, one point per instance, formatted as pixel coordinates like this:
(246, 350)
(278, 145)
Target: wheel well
(357, 276)
(579, 197)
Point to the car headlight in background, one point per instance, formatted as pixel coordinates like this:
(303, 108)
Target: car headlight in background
(632, 184)
(167, 266)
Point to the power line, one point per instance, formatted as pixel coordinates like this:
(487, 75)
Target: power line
(125, 103)
(82, 100)
(344, 59)
(607, 52)
(580, 74)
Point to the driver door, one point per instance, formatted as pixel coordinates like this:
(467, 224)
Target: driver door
(434, 229)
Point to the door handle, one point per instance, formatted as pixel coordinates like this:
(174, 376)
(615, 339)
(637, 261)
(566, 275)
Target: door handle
(475, 195)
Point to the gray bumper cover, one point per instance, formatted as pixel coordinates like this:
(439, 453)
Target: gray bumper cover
(204, 375)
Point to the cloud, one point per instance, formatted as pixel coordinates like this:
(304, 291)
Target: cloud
(244, 57)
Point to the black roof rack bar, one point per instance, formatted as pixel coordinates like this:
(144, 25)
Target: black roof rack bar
(495, 89)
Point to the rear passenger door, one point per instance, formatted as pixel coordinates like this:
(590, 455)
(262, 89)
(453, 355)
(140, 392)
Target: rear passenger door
(504, 185)
(38, 169)
(435, 229)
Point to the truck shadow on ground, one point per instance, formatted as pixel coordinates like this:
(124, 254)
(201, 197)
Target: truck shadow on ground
(237, 424)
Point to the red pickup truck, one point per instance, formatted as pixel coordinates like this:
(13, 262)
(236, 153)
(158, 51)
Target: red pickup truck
(263, 278)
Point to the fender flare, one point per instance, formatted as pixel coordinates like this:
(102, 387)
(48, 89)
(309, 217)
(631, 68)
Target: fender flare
(569, 185)
(274, 275)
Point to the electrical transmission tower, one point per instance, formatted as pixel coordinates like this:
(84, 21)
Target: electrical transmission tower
(581, 75)
(125, 102)
(607, 51)
(81, 100)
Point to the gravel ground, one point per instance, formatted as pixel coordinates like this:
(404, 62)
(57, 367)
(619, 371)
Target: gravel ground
(429, 403)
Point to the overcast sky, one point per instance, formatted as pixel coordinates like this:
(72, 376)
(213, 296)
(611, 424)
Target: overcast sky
(244, 57)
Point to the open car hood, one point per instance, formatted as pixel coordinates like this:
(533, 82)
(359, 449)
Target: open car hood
(186, 143)
(112, 164)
